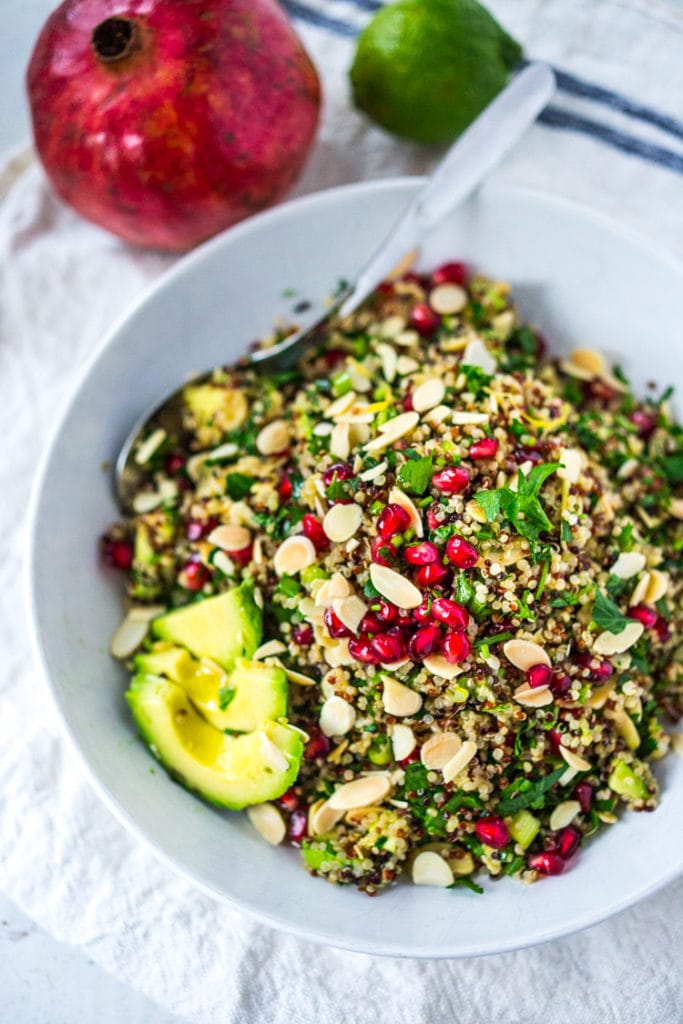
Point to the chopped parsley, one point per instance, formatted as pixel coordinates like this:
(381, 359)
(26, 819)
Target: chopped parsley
(415, 475)
(522, 508)
(606, 614)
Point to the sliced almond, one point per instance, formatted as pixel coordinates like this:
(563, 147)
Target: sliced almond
(429, 394)
(402, 741)
(293, 555)
(340, 405)
(628, 564)
(616, 643)
(439, 666)
(657, 586)
(598, 697)
(572, 465)
(370, 789)
(149, 446)
(297, 677)
(273, 755)
(342, 521)
(268, 822)
(439, 750)
(438, 415)
(574, 760)
(340, 441)
(336, 586)
(640, 590)
(533, 697)
(274, 438)
(406, 339)
(269, 649)
(350, 610)
(469, 419)
(399, 700)
(393, 430)
(337, 717)
(525, 653)
(396, 588)
(223, 451)
(393, 326)
(338, 654)
(399, 497)
(230, 538)
(677, 743)
(589, 361)
(371, 474)
(147, 501)
(406, 365)
(564, 814)
(389, 360)
(459, 761)
(133, 630)
(322, 818)
(446, 299)
(431, 869)
(676, 508)
(626, 728)
(477, 354)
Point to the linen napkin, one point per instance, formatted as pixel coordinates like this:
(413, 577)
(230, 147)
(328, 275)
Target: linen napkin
(612, 139)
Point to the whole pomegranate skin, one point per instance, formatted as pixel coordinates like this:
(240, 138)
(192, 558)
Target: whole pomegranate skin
(166, 121)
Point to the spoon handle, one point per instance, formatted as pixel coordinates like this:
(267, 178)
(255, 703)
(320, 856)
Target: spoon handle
(469, 160)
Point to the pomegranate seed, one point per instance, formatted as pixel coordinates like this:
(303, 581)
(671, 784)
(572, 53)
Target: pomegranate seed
(568, 842)
(313, 529)
(339, 471)
(385, 288)
(297, 828)
(303, 635)
(521, 455)
(598, 671)
(388, 647)
(450, 273)
(424, 642)
(555, 740)
(241, 557)
(371, 623)
(423, 319)
(361, 649)
(384, 610)
(450, 612)
(641, 613)
(484, 449)
(462, 554)
(662, 629)
(431, 574)
(335, 626)
(584, 794)
(601, 391)
(117, 553)
(408, 403)
(195, 575)
(318, 745)
(173, 463)
(455, 648)
(412, 278)
(539, 675)
(560, 684)
(381, 551)
(433, 520)
(423, 612)
(493, 831)
(392, 519)
(421, 554)
(285, 489)
(644, 423)
(289, 801)
(548, 862)
(452, 480)
(195, 529)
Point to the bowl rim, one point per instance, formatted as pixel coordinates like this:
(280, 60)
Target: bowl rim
(401, 184)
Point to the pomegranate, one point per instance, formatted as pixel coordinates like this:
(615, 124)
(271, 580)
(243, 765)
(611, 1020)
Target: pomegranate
(117, 553)
(392, 519)
(539, 675)
(493, 831)
(462, 554)
(166, 121)
(313, 529)
(484, 449)
(450, 273)
(452, 480)
(424, 320)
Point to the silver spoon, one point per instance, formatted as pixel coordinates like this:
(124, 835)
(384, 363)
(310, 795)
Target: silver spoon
(478, 150)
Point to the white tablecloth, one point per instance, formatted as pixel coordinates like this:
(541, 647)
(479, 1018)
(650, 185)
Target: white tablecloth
(612, 139)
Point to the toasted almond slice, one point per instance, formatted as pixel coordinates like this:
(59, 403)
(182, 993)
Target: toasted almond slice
(230, 538)
(389, 360)
(323, 429)
(294, 554)
(431, 869)
(400, 425)
(438, 415)
(598, 697)
(337, 717)
(657, 586)
(640, 590)
(616, 643)
(340, 444)
(533, 697)
(568, 776)
(273, 755)
(342, 521)
(350, 610)
(399, 700)
(296, 677)
(398, 497)
(525, 653)
(369, 789)
(466, 419)
(406, 339)
(564, 814)
(336, 586)
(268, 822)
(269, 649)
(147, 501)
(392, 326)
(625, 726)
(338, 654)
(676, 508)
(402, 741)
(322, 818)
(477, 354)
(439, 666)
(627, 469)
(340, 405)
(396, 588)
(429, 394)
(149, 446)
(131, 632)
(628, 564)
(572, 465)
(574, 760)
(440, 749)
(589, 360)
(446, 299)
(406, 365)
(274, 438)
(371, 474)
(459, 761)
(223, 451)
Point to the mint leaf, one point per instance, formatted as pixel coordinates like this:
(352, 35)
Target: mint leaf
(522, 793)
(226, 695)
(415, 476)
(238, 485)
(530, 485)
(607, 615)
(489, 501)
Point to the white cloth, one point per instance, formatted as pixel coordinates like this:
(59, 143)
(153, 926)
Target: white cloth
(63, 858)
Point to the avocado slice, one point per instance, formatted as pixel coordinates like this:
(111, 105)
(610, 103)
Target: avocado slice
(216, 404)
(240, 701)
(626, 783)
(229, 771)
(221, 628)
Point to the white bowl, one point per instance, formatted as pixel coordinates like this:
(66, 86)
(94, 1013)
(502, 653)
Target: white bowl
(575, 276)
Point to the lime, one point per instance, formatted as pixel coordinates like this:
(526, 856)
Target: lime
(424, 69)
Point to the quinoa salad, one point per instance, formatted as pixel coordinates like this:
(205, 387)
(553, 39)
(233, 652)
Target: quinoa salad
(460, 554)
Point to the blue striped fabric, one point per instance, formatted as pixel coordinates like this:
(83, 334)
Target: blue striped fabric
(553, 117)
